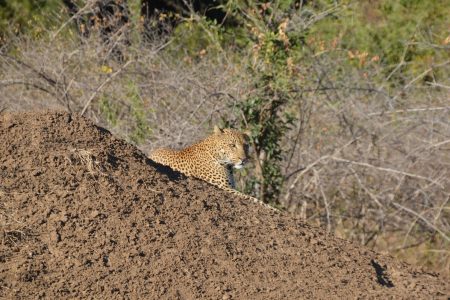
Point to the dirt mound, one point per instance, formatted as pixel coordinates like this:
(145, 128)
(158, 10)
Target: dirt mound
(86, 215)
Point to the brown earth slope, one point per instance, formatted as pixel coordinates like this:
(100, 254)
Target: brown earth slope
(86, 215)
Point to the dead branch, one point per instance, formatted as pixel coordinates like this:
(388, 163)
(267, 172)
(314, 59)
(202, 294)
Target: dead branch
(387, 170)
(431, 225)
(94, 94)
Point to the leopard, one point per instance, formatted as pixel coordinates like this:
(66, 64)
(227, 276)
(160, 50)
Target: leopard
(211, 159)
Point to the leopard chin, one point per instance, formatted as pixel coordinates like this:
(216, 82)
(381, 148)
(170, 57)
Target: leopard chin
(239, 166)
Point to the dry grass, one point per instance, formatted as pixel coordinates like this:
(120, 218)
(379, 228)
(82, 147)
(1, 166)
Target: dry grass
(86, 158)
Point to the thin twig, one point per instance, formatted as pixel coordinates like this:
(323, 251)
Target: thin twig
(380, 113)
(94, 94)
(312, 165)
(372, 196)
(439, 85)
(300, 175)
(30, 84)
(52, 82)
(432, 226)
(386, 170)
(325, 200)
(88, 5)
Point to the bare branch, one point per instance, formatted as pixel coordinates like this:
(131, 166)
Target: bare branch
(400, 111)
(94, 94)
(431, 225)
(386, 170)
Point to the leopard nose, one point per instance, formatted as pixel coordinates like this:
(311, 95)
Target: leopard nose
(244, 161)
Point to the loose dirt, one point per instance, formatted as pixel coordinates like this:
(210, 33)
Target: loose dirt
(86, 215)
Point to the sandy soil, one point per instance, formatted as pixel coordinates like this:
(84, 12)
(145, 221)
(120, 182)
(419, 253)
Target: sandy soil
(86, 215)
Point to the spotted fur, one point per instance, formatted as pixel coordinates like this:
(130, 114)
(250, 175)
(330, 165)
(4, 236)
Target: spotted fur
(211, 159)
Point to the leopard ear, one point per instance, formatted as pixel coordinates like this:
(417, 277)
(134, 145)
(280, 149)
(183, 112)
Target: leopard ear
(247, 132)
(217, 130)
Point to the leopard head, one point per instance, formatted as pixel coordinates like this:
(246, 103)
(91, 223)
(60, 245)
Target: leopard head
(231, 147)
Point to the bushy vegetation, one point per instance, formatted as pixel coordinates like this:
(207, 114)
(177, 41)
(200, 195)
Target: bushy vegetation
(28, 17)
(346, 102)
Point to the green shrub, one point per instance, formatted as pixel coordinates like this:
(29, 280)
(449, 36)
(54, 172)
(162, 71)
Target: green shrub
(140, 127)
(29, 16)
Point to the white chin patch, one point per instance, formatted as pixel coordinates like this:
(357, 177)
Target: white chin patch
(239, 166)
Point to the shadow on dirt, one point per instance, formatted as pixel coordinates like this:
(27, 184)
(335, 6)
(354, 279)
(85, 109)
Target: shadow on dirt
(382, 276)
(172, 174)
